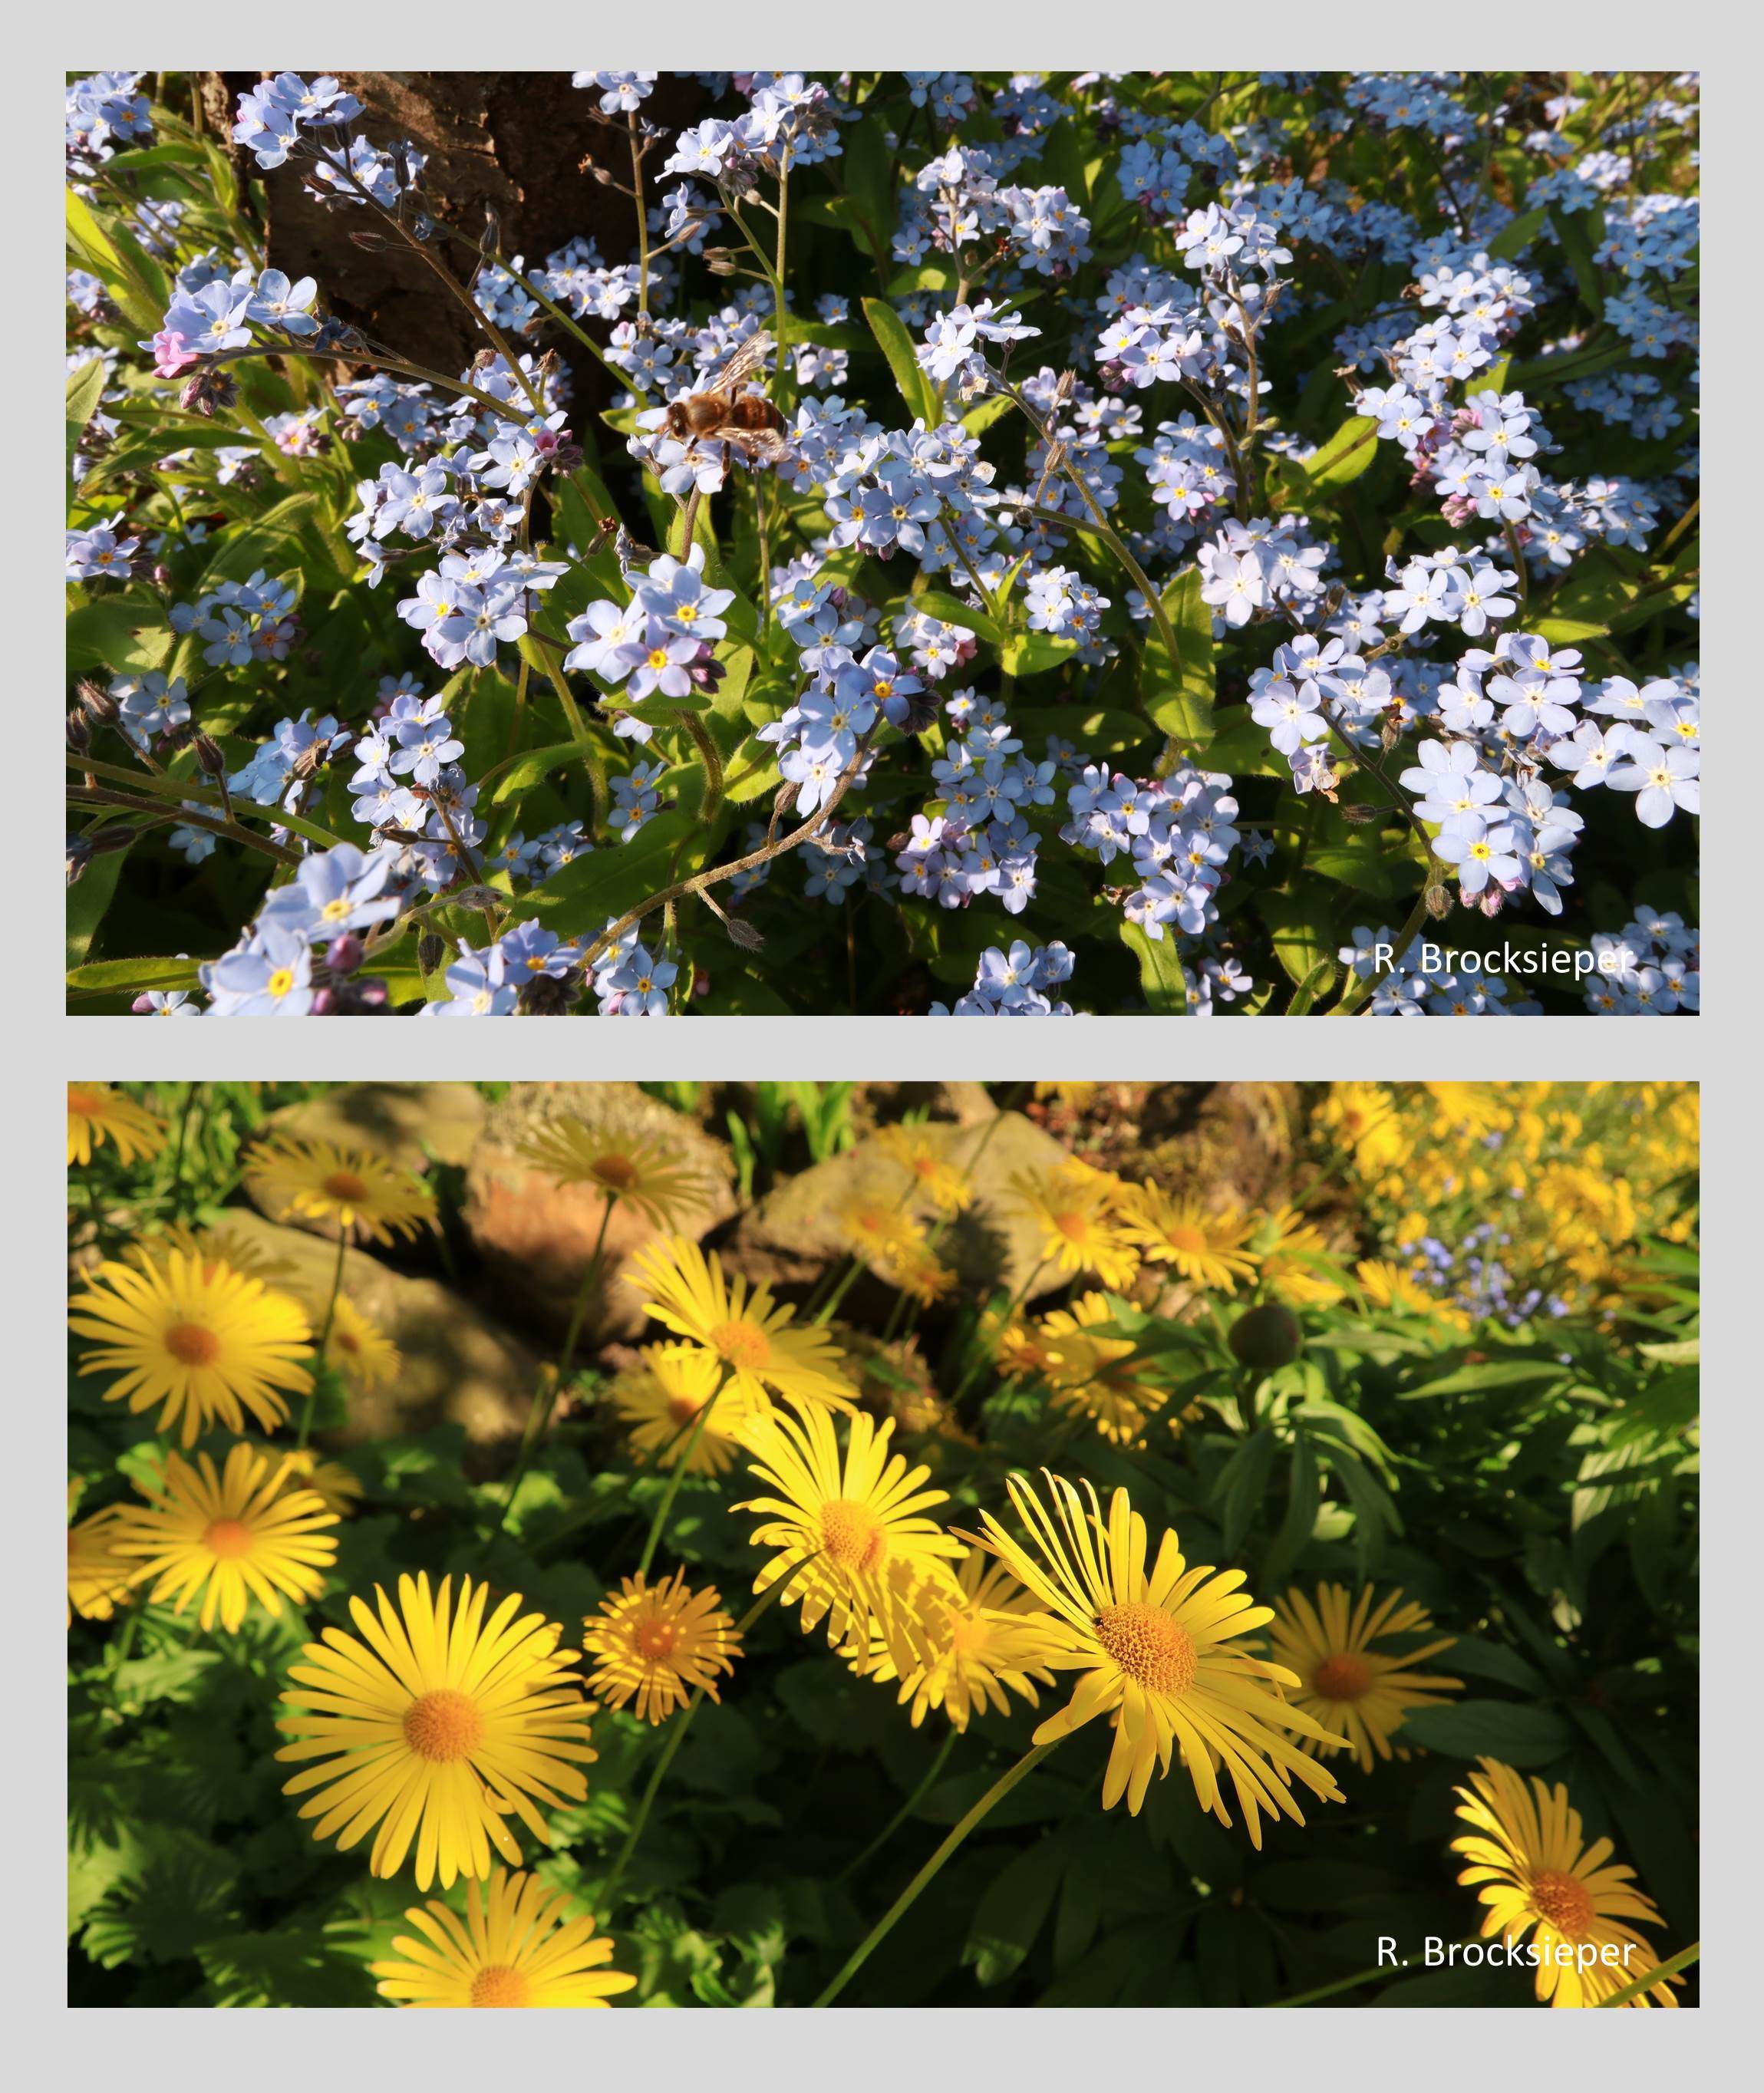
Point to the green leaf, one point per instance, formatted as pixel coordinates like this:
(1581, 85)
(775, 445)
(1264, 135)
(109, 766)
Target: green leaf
(1580, 231)
(584, 895)
(1241, 1481)
(896, 344)
(1343, 458)
(1509, 1729)
(129, 976)
(84, 387)
(1315, 985)
(1184, 712)
(88, 898)
(116, 262)
(1493, 1660)
(1160, 971)
(1523, 230)
(1300, 929)
(117, 632)
(532, 768)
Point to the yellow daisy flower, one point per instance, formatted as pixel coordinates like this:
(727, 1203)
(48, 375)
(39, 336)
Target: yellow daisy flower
(339, 1488)
(95, 1113)
(1526, 1847)
(1363, 1116)
(1077, 1210)
(1388, 1286)
(435, 1727)
(851, 1535)
(979, 1640)
(234, 1536)
(1347, 1684)
(295, 1179)
(894, 1246)
(1208, 1250)
(925, 1160)
(98, 1577)
(659, 1642)
(751, 1336)
(625, 1166)
(359, 1350)
(1097, 1377)
(659, 1399)
(222, 1242)
(1288, 1242)
(1159, 1655)
(206, 1342)
(515, 1947)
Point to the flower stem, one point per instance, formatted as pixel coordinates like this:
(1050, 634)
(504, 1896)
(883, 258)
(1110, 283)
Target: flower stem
(658, 1524)
(549, 1382)
(904, 1811)
(903, 1903)
(636, 1831)
(1647, 1981)
(324, 1338)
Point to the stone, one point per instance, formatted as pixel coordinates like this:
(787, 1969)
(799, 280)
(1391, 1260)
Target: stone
(459, 1367)
(536, 1238)
(794, 1234)
(410, 1123)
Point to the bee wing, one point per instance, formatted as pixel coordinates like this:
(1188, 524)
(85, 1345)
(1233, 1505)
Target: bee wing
(743, 365)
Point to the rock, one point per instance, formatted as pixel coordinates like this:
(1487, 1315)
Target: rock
(457, 1367)
(409, 1122)
(792, 1237)
(535, 1236)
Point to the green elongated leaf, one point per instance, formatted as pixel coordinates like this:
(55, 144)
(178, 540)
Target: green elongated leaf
(1303, 1497)
(1011, 1915)
(1241, 1483)
(1315, 985)
(83, 387)
(897, 346)
(88, 898)
(1481, 1659)
(118, 632)
(1509, 1729)
(129, 977)
(1160, 971)
(1580, 231)
(1303, 936)
(1512, 238)
(581, 898)
(1183, 709)
(130, 290)
(978, 420)
(529, 768)
(940, 604)
(280, 538)
(1343, 458)
(1033, 653)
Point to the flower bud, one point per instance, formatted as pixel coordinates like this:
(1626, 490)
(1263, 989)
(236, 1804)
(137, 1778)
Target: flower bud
(210, 755)
(344, 955)
(1266, 1337)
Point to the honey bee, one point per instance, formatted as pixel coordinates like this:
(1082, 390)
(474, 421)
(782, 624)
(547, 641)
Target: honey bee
(725, 413)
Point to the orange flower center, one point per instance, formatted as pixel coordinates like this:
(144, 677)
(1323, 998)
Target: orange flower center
(1191, 1242)
(852, 1535)
(499, 1985)
(191, 1343)
(344, 1185)
(229, 1538)
(1149, 1646)
(656, 1639)
(1564, 1900)
(618, 1171)
(1075, 1228)
(683, 1409)
(1343, 1677)
(741, 1345)
(446, 1725)
(83, 1105)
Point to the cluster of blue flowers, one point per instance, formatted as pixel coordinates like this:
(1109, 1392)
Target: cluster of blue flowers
(1504, 733)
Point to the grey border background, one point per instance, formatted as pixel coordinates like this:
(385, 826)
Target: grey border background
(45, 1048)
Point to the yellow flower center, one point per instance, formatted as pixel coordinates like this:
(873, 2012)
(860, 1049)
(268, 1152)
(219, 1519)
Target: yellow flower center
(229, 1538)
(344, 1185)
(741, 1345)
(281, 981)
(446, 1725)
(192, 1344)
(1342, 1677)
(852, 1535)
(498, 1985)
(1148, 1645)
(1564, 1900)
(656, 1639)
